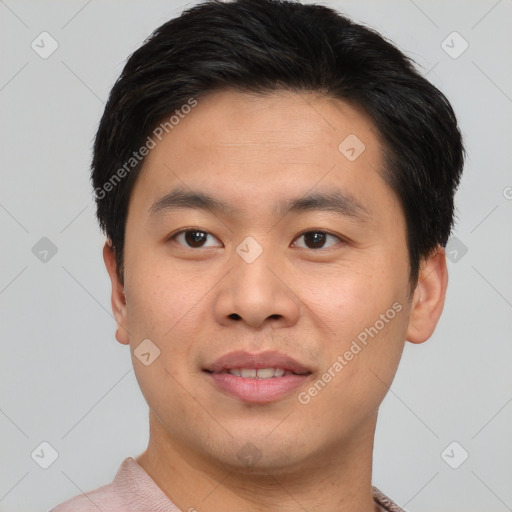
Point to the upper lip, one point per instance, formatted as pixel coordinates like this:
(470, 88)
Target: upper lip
(268, 359)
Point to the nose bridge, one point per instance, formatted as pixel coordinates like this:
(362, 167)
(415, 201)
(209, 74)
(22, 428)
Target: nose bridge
(253, 291)
(251, 263)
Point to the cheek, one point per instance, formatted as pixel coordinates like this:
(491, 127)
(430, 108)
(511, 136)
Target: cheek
(362, 360)
(363, 312)
(350, 298)
(161, 299)
(160, 306)
(168, 305)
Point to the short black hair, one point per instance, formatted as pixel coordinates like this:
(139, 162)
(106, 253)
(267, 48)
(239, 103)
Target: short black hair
(260, 46)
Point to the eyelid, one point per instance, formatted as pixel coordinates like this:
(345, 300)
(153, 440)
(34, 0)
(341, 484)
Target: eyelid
(325, 232)
(185, 230)
(341, 239)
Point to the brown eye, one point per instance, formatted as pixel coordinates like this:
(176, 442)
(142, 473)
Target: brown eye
(316, 239)
(192, 238)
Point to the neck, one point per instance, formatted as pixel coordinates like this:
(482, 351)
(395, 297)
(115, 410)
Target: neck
(339, 479)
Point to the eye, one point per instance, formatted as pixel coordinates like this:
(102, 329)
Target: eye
(194, 238)
(316, 239)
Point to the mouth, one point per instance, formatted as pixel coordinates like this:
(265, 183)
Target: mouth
(257, 373)
(257, 378)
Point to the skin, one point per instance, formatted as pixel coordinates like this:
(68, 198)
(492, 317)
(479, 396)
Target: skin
(198, 303)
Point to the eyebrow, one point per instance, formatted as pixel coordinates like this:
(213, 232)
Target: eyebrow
(342, 203)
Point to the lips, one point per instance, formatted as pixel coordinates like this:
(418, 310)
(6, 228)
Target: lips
(257, 378)
(245, 360)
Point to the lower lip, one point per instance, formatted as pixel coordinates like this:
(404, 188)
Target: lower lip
(258, 390)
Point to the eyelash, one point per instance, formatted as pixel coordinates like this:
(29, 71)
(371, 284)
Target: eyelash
(342, 240)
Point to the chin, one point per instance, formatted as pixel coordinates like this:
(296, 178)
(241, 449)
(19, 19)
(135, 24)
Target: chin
(259, 457)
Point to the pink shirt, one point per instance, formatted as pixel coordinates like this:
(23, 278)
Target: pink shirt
(133, 490)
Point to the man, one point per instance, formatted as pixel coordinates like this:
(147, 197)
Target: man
(276, 185)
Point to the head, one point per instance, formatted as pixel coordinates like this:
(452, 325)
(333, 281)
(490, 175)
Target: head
(278, 111)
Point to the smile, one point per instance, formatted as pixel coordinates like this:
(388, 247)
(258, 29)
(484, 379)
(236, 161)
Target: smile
(258, 373)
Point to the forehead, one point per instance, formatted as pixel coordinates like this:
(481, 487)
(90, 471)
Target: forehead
(288, 123)
(251, 150)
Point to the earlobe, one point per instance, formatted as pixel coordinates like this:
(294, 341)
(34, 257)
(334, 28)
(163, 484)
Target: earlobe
(428, 300)
(118, 299)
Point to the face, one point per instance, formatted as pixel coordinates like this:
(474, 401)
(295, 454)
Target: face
(296, 260)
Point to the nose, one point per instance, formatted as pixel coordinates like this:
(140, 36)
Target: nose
(258, 293)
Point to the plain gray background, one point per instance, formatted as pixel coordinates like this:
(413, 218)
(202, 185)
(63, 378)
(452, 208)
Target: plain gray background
(67, 382)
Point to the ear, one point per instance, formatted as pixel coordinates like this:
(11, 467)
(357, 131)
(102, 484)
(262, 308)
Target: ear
(429, 295)
(118, 298)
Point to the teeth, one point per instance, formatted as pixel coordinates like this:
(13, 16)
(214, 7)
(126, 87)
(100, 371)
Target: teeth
(265, 373)
(260, 373)
(248, 373)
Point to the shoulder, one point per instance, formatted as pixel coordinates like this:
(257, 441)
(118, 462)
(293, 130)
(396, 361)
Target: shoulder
(384, 502)
(104, 498)
(101, 498)
(107, 498)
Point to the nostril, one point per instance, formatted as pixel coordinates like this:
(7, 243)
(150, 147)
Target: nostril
(235, 316)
